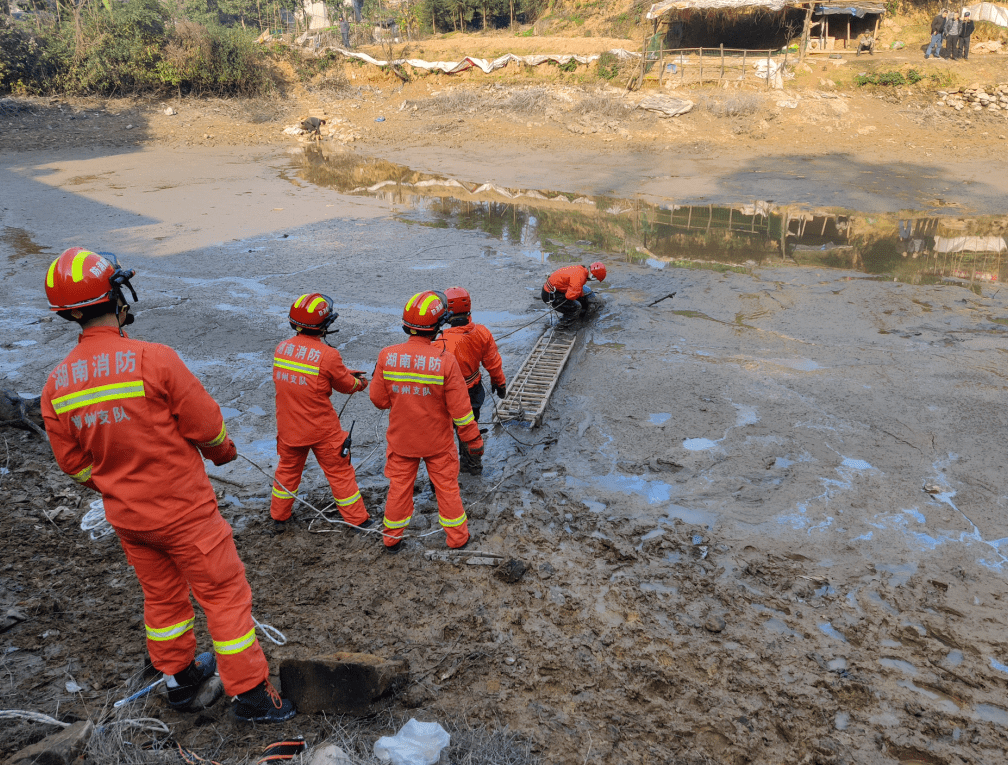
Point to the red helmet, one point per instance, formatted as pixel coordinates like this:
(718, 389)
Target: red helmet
(80, 278)
(313, 311)
(459, 301)
(425, 312)
(597, 270)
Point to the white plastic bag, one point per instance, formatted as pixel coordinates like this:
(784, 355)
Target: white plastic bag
(416, 743)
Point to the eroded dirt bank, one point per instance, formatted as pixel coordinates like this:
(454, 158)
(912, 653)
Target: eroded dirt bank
(731, 555)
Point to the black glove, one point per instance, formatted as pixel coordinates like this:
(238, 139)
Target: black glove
(500, 390)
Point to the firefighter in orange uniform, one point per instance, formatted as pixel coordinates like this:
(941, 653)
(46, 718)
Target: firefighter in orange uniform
(472, 344)
(422, 387)
(128, 419)
(567, 289)
(306, 371)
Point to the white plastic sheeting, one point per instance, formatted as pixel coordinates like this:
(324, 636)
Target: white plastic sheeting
(667, 106)
(945, 244)
(995, 14)
(454, 67)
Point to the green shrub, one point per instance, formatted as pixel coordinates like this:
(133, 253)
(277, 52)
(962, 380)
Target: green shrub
(893, 78)
(131, 48)
(608, 66)
(570, 66)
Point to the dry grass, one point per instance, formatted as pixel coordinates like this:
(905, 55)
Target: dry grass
(603, 104)
(736, 105)
(527, 101)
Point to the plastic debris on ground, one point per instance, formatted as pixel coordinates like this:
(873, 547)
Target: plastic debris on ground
(416, 743)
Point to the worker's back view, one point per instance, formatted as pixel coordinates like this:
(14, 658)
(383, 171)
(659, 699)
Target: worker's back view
(472, 345)
(306, 371)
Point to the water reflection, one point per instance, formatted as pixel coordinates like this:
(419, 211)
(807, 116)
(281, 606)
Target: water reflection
(560, 226)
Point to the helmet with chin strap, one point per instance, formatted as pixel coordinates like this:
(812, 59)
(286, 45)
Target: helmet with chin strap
(425, 313)
(79, 282)
(313, 313)
(597, 270)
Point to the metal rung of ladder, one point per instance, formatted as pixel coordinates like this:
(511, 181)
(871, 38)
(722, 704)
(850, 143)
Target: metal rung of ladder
(530, 390)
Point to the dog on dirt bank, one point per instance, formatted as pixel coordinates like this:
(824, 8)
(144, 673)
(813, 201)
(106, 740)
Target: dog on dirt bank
(313, 126)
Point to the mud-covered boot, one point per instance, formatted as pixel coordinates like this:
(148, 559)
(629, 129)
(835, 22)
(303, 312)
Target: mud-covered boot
(195, 687)
(263, 705)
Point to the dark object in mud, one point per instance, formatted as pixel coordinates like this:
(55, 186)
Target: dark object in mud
(511, 571)
(342, 683)
(665, 297)
(24, 413)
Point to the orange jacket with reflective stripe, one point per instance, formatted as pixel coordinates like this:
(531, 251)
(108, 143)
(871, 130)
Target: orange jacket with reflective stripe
(422, 387)
(471, 345)
(133, 418)
(306, 371)
(569, 280)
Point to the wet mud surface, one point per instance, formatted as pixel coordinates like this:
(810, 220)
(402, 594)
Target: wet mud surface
(731, 555)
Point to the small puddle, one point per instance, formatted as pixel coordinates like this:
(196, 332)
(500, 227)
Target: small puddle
(698, 444)
(991, 713)
(21, 244)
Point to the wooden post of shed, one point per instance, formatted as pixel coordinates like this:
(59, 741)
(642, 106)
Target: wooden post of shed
(743, 63)
(768, 70)
(722, 62)
(806, 29)
(701, 66)
(846, 42)
(875, 33)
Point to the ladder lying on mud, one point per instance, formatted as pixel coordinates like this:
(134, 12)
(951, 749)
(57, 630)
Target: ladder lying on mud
(530, 389)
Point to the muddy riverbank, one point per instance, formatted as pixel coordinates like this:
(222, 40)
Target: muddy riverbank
(763, 520)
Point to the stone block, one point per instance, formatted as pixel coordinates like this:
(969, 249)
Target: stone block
(58, 749)
(341, 683)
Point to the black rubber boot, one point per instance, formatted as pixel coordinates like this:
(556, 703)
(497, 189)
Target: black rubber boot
(191, 680)
(263, 705)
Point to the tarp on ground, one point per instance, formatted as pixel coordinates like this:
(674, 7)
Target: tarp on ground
(469, 62)
(944, 244)
(995, 14)
(660, 9)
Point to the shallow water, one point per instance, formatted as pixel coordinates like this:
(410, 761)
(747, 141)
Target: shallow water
(558, 226)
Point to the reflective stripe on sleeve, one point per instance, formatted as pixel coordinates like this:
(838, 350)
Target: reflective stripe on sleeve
(169, 633)
(349, 500)
(413, 377)
(460, 421)
(89, 396)
(452, 522)
(295, 366)
(216, 441)
(229, 647)
(83, 476)
(398, 524)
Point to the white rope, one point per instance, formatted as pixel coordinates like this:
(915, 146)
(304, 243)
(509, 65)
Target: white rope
(149, 724)
(21, 714)
(269, 631)
(95, 523)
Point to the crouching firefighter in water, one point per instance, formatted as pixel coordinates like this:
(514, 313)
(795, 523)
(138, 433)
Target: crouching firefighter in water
(306, 371)
(422, 387)
(568, 292)
(472, 344)
(128, 419)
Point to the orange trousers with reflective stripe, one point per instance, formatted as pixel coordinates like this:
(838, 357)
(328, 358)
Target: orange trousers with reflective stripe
(338, 471)
(443, 470)
(197, 555)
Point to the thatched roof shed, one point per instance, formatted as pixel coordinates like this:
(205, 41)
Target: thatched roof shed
(666, 6)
